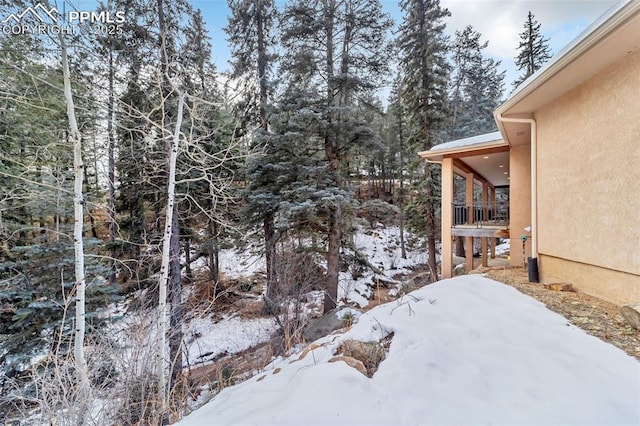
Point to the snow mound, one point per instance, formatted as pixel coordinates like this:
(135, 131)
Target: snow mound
(467, 350)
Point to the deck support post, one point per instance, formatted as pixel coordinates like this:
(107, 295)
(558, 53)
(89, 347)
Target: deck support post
(446, 265)
(492, 241)
(470, 219)
(485, 212)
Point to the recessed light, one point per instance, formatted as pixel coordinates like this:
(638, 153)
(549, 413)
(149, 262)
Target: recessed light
(501, 165)
(506, 173)
(509, 178)
(486, 156)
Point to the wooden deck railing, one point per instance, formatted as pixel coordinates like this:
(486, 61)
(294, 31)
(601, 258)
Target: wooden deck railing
(481, 214)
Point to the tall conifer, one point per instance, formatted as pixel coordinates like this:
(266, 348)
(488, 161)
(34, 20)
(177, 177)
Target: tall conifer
(425, 71)
(534, 50)
(336, 51)
(250, 33)
(476, 88)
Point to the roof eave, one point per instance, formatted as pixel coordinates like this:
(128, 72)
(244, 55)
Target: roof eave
(469, 150)
(582, 44)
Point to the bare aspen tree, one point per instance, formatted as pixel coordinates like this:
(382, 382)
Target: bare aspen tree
(78, 218)
(164, 268)
(111, 168)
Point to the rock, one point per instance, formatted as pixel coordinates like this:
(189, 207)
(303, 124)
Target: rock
(559, 287)
(308, 349)
(324, 325)
(631, 313)
(369, 354)
(384, 282)
(420, 279)
(351, 362)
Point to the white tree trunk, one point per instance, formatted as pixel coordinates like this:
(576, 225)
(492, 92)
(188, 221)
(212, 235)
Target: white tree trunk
(162, 359)
(78, 218)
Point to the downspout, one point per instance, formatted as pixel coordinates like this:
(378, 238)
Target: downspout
(534, 177)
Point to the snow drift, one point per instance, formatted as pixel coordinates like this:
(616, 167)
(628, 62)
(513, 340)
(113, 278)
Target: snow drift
(467, 350)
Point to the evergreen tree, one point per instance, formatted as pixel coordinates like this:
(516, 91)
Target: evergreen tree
(36, 205)
(106, 46)
(534, 50)
(210, 134)
(476, 88)
(133, 50)
(34, 158)
(397, 141)
(335, 53)
(134, 78)
(36, 284)
(250, 31)
(425, 70)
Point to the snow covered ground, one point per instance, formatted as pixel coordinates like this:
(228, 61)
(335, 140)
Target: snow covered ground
(465, 351)
(503, 248)
(382, 248)
(205, 340)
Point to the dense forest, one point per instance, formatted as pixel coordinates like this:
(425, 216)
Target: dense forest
(126, 158)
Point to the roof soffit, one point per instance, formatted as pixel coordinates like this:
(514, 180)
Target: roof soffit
(613, 36)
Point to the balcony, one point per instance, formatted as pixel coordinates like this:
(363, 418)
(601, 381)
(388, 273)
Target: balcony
(481, 219)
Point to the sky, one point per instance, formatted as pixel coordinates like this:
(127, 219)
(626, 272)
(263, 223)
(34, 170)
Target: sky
(499, 22)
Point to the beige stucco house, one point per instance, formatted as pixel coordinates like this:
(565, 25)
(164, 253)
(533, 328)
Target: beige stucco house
(568, 154)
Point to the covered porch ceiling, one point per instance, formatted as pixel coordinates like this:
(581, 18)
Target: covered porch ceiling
(492, 167)
(486, 156)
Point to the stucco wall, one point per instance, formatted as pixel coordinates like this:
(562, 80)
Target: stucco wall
(589, 180)
(617, 287)
(519, 200)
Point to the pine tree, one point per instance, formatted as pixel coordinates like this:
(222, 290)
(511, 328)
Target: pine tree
(397, 129)
(476, 88)
(199, 82)
(250, 31)
(33, 154)
(42, 157)
(133, 166)
(423, 63)
(534, 50)
(107, 46)
(337, 50)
